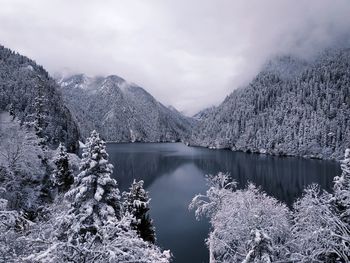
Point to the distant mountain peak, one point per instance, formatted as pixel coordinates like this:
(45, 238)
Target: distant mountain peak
(121, 110)
(74, 81)
(83, 81)
(115, 79)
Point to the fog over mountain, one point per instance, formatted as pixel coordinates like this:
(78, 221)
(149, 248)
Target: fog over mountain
(189, 54)
(292, 107)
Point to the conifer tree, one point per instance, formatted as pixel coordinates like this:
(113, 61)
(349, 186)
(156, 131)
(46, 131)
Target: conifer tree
(39, 118)
(62, 176)
(94, 194)
(137, 204)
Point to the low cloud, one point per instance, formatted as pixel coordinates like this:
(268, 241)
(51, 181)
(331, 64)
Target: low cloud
(189, 54)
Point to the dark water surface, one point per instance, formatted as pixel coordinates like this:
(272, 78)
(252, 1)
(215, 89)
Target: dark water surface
(174, 173)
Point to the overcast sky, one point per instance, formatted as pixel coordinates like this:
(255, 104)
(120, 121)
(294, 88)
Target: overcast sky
(187, 53)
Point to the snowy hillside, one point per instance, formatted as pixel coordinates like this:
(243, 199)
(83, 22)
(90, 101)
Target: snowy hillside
(22, 84)
(121, 111)
(292, 107)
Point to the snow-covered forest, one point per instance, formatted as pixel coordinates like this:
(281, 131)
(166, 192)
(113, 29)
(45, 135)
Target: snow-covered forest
(292, 107)
(23, 84)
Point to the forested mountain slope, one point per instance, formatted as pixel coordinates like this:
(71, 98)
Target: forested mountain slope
(121, 111)
(23, 84)
(292, 107)
(203, 114)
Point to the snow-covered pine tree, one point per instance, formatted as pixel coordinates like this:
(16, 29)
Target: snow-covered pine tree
(319, 235)
(94, 194)
(39, 117)
(260, 248)
(62, 175)
(137, 204)
(39, 124)
(342, 190)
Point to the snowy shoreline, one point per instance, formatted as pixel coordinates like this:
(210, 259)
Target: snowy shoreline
(248, 151)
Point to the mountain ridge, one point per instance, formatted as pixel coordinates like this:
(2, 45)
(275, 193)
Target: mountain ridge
(121, 111)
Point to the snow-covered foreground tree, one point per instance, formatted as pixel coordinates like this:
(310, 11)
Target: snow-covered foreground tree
(62, 175)
(137, 204)
(21, 164)
(342, 190)
(321, 228)
(12, 225)
(120, 243)
(318, 233)
(95, 197)
(21, 175)
(249, 226)
(90, 226)
(234, 214)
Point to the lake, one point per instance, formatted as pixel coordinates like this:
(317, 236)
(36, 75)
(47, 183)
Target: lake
(173, 173)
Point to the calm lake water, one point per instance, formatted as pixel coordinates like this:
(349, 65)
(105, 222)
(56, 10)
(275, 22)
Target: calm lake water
(173, 173)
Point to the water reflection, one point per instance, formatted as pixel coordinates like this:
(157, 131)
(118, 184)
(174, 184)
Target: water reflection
(177, 227)
(283, 178)
(174, 173)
